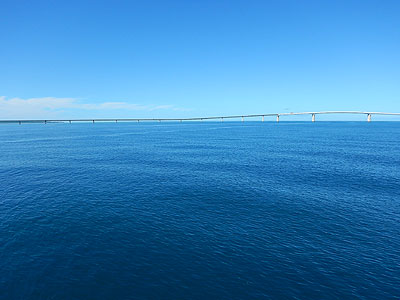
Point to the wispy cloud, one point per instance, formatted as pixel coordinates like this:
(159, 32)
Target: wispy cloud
(52, 107)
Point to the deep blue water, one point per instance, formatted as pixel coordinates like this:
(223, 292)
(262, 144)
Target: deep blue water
(200, 211)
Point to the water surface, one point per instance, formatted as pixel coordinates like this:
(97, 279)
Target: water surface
(209, 210)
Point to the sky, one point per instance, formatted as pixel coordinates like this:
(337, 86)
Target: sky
(116, 59)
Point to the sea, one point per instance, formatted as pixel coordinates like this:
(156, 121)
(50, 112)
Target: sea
(200, 210)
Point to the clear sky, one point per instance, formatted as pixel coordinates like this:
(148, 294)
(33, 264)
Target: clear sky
(196, 58)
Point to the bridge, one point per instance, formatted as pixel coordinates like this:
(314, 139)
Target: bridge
(221, 118)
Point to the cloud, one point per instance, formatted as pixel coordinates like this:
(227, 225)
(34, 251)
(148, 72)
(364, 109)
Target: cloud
(52, 107)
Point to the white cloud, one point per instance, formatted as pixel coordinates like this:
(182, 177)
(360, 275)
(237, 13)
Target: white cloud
(52, 107)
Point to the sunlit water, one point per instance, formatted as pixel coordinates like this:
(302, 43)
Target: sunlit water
(200, 211)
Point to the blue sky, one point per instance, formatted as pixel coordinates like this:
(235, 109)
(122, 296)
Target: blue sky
(197, 58)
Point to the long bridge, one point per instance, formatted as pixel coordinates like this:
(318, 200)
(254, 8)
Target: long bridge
(221, 118)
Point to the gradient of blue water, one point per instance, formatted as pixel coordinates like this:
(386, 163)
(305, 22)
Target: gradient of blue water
(200, 211)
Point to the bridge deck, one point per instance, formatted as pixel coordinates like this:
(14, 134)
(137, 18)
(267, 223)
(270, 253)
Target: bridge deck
(369, 114)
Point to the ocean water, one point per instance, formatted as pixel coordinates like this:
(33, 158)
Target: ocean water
(293, 210)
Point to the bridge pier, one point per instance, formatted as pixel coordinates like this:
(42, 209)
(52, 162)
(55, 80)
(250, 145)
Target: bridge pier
(277, 118)
(69, 121)
(369, 118)
(222, 119)
(313, 118)
(242, 119)
(262, 118)
(45, 122)
(93, 121)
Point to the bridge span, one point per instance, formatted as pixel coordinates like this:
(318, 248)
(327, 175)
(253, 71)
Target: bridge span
(221, 118)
